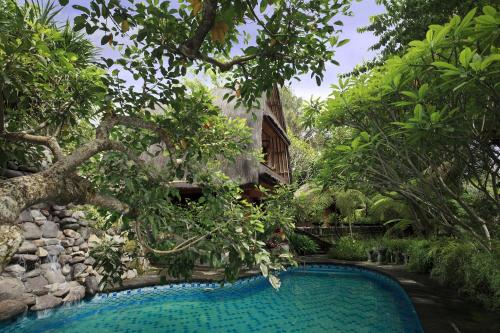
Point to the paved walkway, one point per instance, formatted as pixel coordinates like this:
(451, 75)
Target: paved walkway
(440, 309)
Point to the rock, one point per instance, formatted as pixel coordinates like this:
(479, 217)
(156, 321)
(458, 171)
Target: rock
(46, 302)
(31, 231)
(10, 288)
(93, 241)
(68, 242)
(83, 223)
(84, 246)
(25, 216)
(78, 269)
(11, 308)
(10, 240)
(78, 254)
(89, 261)
(72, 226)
(25, 258)
(71, 233)
(57, 207)
(33, 273)
(64, 259)
(76, 293)
(38, 242)
(91, 285)
(54, 250)
(41, 252)
(130, 274)
(75, 249)
(54, 276)
(27, 298)
(36, 285)
(66, 269)
(52, 241)
(85, 232)
(38, 217)
(50, 229)
(68, 220)
(78, 214)
(76, 260)
(62, 291)
(45, 212)
(79, 241)
(66, 213)
(16, 271)
(27, 247)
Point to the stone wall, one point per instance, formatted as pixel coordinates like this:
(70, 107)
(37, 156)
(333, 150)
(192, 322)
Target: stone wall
(52, 266)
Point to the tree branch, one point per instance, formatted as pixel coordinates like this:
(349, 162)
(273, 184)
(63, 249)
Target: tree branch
(225, 66)
(191, 47)
(108, 202)
(47, 141)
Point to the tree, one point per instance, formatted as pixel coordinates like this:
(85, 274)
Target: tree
(99, 129)
(425, 126)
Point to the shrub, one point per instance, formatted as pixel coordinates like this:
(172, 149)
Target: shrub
(301, 244)
(108, 263)
(348, 248)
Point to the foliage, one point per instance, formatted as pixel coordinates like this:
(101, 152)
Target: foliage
(108, 254)
(350, 248)
(424, 126)
(310, 203)
(408, 20)
(302, 245)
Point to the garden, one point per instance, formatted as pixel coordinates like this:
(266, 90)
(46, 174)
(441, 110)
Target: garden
(160, 169)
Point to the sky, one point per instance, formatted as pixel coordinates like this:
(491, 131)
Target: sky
(353, 53)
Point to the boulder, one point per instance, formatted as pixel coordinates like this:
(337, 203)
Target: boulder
(85, 232)
(76, 260)
(33, 273)
(78, 269)
(52, 241)
(78, 214)
(41, 252)
(25, 216)
(83, 223)
(64, 259)
(38, 217)
(27, 247)
(66, 269)
(50, 229)
(93, 241)
(10, 288)
(58, 207)
(11, 308)
(31, 231)
(54, 250)
(66, 213)
(68, 242)
(79, 241)
(89, 261)
(38, 242)
(16, 271)
(45, 212)
(27, 298)
(91, 285)
(25, 258)
(36, 285)
(63, 290)
(84, 246)
(76, 292)
(46, 302)
(75, 249)
(72, 226)
(54, 275)
(71, 233)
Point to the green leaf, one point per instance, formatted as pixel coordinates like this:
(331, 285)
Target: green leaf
(465, 57)
(343, 42)
(488, 10)
(489, 60)
(63, 2)
(410, 94)
(418, 112)
(435, 117)
(446, 65)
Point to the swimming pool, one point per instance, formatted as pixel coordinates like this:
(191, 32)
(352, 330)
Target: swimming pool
(315, 298)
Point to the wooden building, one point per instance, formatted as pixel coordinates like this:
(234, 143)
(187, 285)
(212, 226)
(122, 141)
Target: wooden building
(269, 137)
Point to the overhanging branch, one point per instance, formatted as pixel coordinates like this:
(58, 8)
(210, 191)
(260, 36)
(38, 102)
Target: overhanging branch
(47, 141)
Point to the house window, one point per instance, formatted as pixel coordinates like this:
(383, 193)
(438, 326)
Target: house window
(275, 150)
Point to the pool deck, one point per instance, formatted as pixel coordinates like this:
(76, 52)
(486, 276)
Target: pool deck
(440, 309)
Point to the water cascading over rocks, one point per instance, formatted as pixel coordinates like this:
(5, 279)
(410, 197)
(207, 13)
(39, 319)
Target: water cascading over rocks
(49, 263)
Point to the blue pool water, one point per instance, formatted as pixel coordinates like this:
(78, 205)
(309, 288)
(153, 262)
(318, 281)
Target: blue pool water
(312, 299)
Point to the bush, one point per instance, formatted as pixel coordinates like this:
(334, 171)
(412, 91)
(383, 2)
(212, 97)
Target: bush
(420, 260)
(301, 244)
(348, 248)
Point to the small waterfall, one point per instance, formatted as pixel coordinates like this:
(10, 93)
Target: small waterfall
(52, 259)
(23, 264)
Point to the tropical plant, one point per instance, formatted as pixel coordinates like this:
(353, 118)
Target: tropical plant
(302, 244)
(108, 254)
(425, 127)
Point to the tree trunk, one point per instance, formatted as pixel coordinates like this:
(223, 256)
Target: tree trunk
(17, 194)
